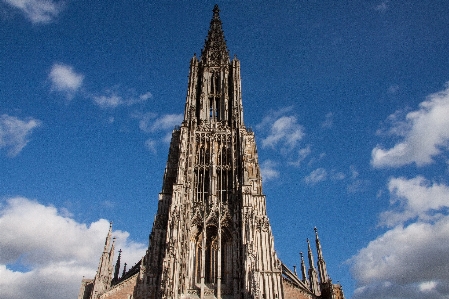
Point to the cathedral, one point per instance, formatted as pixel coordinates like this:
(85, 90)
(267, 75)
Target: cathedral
(211, 237)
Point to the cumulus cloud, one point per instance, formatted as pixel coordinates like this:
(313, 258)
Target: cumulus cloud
(15, 133)
(65, 79)
(411, 259)
(316, 176)
(424, 134)
(268, 170)
(44, 254)
(413, 198)
(38, 11)
(282, 130)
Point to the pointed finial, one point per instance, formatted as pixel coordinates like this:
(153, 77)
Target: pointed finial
(303, 268)
(216, 11)
(324, 277)
(124, 271)
(215, 51)
(117, 265)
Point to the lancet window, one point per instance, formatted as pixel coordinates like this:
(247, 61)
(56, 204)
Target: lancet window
(211, 257)
(214, 97)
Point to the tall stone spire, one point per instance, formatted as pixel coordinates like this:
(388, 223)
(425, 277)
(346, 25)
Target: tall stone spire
(303, 270)
(324, 277)
(103, 277)
(313, 276)
(215, 52)
(211, 235)
(108, 239)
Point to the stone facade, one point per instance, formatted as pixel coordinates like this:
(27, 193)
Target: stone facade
(123, 290)
(211, 237)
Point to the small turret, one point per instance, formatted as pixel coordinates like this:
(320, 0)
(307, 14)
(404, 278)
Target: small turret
(303, 270)
(324, 277)
(117, 266)
(124, 270)
(313, 276)
(103, 277)
(108, 238)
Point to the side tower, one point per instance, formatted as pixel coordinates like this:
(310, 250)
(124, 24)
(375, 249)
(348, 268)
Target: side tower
(93, 288)
(211, 237)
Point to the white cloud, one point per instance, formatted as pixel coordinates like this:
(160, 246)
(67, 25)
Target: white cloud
(382, 7)
(56, 250)
(150, 124)
(357, 185)
(316, 176)
(15, 132)
(393, 89)
(268, 170)
(411, 259)
(337, 175)
(145, 96)
(328, 121)
(151, 144)
(282, 130)
(38, 11)
(302, 154)
(286, 132)
(416, 197)
(427, 286)
(65, 79)
(111, 99)
(405, 258)
(167, 122)
(424, 133)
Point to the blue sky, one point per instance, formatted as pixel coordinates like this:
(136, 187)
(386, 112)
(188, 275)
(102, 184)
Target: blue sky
(349, 102)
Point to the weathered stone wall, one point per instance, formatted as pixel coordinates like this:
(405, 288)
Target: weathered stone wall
(85, 289)
(337, 292)
(293, 292)
(122, 290)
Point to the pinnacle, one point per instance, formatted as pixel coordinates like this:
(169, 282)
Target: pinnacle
(215, 51)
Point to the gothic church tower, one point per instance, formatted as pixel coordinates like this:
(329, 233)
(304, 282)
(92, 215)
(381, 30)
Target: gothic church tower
(211, 237)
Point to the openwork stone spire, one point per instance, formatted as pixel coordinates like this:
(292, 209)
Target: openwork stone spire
(211, 237)
(215, 52)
